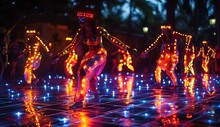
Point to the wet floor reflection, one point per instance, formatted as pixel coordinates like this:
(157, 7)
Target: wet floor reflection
(126, 100)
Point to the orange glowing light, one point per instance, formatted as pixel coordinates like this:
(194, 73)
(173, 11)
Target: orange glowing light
(70, 63)
(34, 59)
(126, 85)
(30, 107)
(170, 56)
(188, 60)
(165, 27)
(125, 61)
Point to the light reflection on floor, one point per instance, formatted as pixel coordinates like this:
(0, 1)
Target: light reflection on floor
(126, 100)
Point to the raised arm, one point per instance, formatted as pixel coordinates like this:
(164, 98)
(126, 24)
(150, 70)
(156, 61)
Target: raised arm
(153, 45)
(42, 44)
(72, 45)
(183, 36)
(113, 39)
(201, 51)
(213, 53)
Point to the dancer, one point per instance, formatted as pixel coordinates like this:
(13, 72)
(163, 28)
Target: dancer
(94, 60)
(206, 52)
(34, 56)
(189, 56)
(169, 56)
(126, 60)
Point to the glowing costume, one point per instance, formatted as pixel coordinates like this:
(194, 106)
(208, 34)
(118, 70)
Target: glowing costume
(169, 56)
(70, 62)
(189, 56)
(94, 60)
(206, 52)
(34, 57)
(125, 61)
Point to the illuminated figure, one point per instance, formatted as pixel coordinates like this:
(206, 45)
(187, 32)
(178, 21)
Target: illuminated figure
(70, 62)
(206, 52)
(125, 61)
(94, 60)
(34, 56)
(169, 56)
(189, 56)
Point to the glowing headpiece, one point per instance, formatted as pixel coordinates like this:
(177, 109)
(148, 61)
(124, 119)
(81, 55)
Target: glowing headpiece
(165, 27)
(30, 31)
(204, 42)
(86, 15)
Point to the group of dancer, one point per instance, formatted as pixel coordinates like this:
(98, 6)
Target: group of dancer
(95, 59)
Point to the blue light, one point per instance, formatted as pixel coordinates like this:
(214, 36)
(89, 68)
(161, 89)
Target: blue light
(126, 113)
(153, 107)
(65, 120)
(45, 87)
(210, 121)
(139, 88)
(101, 75)
(133, 93)
(18, 114)
(44, 98)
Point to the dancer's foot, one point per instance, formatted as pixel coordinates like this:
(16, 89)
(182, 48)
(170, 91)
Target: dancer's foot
(35, 81)
(174, 87)
(77, 105)
(96, 98)
(158, 86)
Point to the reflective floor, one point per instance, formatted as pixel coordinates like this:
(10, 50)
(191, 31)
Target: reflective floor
(126, 100)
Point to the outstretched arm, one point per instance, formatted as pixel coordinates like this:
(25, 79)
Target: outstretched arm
(152, 46)
(113, 39)
(69, 48)
(72, 45)
(42, 44)
(185, 36)
(213, 52)
(201, 50)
